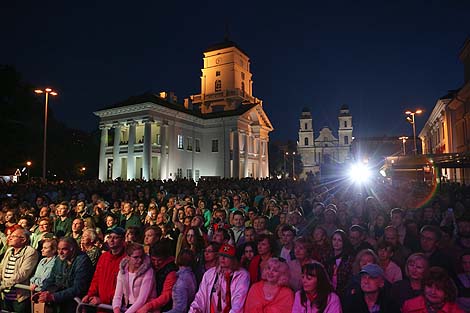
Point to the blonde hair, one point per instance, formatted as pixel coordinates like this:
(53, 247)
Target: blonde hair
(283, 269)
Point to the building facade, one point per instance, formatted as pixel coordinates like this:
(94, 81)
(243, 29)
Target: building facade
(446, 134)
(221, 132)
(324, 148)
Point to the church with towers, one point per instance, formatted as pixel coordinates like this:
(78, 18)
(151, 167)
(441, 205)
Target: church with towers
(222, 131)
(324, 148)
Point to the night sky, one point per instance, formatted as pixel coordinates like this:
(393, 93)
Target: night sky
(377, 57)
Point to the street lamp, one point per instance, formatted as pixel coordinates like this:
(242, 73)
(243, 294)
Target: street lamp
(293, 165)
(403, 139)
(411, 119)
(28, 164)
(47, 92)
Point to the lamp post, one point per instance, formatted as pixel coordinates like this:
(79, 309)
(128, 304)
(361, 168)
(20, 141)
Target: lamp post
(403, 139)
(28, 164)
(412, 121)
(47, 92)
(293, 165)
(285, 166)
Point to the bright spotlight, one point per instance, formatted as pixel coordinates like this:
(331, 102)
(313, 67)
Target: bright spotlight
(360, 173)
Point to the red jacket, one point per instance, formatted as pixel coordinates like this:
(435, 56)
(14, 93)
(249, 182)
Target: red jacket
(104, 279)
(418, 305)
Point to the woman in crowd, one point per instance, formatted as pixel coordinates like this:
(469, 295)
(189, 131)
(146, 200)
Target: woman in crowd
(185, 287)
(302, 250)
(135, 282)
(133, 234)
(152, 234)
(364, 257)
(340, 265)
(193, 241)
(316, 294)
(439, 295)
(271, 294)
(412, 286)
(44, 268)
(209, 261)
(266, 248)
(249, 251)
(44, 228)
(321, 244)
(88, 245)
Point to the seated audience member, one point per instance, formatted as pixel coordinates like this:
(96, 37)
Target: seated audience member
(316, 293)
(272, 293)
(17, 267)
(133, 234)
(288, 234)
(185, 287)
(209, 260)
(339, 267)
(152, 234)
(439, 295)
(391, 270)
(266, 248)
(44, 268)
(303, 254)
(70, 277)
(372, 296)
(429, 242)
(249, 250)
(463, 282)
(412, 285)
(223, 288)
(104, 280)
(163, 261)
(88, 245)
(44, 228)
(135, 281)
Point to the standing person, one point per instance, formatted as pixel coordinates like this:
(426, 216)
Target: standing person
(104, 280)
(135, 281)
(223, 288)
(272, 293)
(70, 277)
(185, 287)
(339, 267)
(439, 295)
(316, 294)
(16, 268)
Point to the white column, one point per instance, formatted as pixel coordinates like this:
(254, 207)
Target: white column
(103, 167)
(266, 159)
(130, 152)
(146, 175)
(116, 158)
(247, 149)
(163, 155)
(171, 151)
(260, 158)
(236, 155)
(227, 153)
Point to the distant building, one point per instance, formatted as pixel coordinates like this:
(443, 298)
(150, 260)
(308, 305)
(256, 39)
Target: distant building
(221, 132)
(446, 134)
(324, 148)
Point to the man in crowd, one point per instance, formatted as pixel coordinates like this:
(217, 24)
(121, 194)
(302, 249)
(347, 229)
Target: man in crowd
(103, 284)
(357, 236)
(70, 277)
(128, 218)
(429, 241)
(63, 223)
(400, 252)
(17, 267)
(238, 227)
(287, 240)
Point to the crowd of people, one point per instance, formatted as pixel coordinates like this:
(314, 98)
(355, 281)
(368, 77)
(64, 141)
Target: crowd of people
(229, 245)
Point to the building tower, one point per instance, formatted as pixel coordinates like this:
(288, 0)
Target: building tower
(306, 135)
(226, 81)
(345, 136)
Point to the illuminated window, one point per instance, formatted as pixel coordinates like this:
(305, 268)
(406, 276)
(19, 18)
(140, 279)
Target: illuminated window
(180, 142)
(218, 85)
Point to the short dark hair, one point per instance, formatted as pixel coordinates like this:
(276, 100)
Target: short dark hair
(162, 249)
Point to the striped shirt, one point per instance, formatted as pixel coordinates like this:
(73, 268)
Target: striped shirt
(8, 272)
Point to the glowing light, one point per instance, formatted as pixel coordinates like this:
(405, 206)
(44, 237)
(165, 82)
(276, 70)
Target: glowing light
(360, 173)
(38, 91)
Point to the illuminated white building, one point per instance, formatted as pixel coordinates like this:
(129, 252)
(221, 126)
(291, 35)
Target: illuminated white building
(221, 132)
(324, 148)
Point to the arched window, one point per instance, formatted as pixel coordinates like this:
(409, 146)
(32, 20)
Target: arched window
(306, 141)
(218, 85)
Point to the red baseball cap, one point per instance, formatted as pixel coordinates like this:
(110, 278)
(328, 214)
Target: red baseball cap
(228, 251)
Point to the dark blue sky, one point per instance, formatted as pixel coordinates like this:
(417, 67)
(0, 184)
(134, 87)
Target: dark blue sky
(378, 57)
